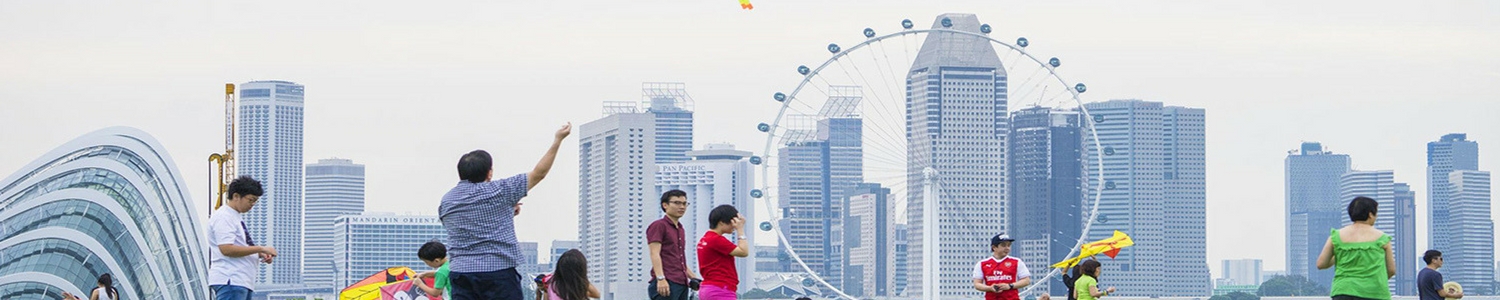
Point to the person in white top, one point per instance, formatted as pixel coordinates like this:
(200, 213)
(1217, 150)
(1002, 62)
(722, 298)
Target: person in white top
(106, 289)
(233, 259)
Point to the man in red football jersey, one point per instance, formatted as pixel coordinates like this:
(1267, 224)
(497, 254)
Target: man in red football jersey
(1000, 276)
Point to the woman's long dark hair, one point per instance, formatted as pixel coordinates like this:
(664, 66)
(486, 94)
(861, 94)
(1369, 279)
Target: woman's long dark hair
(571, 279)
(1088, 267)
(108, 283)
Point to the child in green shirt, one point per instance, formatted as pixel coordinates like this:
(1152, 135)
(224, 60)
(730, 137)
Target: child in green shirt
(435, 255)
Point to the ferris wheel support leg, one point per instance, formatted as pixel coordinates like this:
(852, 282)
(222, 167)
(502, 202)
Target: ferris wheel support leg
(931, 288)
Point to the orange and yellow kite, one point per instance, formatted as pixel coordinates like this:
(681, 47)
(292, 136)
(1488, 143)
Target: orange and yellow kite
(1110, 247)
(745, 4)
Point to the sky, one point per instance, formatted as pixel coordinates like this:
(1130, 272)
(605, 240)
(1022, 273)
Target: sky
(405, 88)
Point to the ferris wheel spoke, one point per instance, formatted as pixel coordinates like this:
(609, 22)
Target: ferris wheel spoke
(887, 134)
(883, 159)
(890, 114)
(881, 101)
(1054, 102)
(890, 73)
(1010, 55)
(1026, 82)
(884, 145)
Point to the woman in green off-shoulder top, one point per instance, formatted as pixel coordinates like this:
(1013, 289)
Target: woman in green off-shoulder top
(1359, 253)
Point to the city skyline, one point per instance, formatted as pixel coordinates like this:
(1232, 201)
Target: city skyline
(1236, 182)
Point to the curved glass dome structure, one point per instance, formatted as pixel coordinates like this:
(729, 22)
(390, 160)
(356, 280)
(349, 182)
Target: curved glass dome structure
(110, 201)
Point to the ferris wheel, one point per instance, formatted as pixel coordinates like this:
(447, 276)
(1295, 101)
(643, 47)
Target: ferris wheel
(921, 123)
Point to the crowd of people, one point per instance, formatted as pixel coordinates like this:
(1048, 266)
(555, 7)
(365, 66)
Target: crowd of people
(480, 259)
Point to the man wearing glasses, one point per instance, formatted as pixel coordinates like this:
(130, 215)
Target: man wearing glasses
(1430, 282)
(235, 257)
(670, 276)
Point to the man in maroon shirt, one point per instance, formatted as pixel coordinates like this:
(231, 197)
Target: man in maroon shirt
(667, 247)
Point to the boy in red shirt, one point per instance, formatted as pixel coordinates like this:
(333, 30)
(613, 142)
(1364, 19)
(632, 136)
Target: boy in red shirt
(716, 254)
(1000, 275)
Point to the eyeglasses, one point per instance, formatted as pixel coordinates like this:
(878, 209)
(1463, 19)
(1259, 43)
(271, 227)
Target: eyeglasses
(682, 203)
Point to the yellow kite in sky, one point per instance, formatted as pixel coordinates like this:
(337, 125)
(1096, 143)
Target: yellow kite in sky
(1110, 246)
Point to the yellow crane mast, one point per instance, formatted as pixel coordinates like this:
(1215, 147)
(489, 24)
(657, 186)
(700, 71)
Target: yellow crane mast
(224, 162)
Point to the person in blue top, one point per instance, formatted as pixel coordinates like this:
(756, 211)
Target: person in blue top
(479, 215)
(1430, 282)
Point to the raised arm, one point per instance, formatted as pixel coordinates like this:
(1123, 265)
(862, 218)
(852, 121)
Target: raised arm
(545, 165)
(742, 246)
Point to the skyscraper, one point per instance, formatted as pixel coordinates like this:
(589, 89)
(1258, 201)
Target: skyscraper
(1451, 152)
(670, 103)
(903, 270)
(270, 150)
(614, 177)
(1185, 201)
(1153, 189)
(1046, 186)
(1472, 234)
(716, 175)
(869, 235)
(1313, 175)
(957, 126)
(817, 167)
(1243, 271)
(1130, 133)
(617, 155)
(1381, 186)
(1404, 214)
(531, 260)
(335, 187)
(561, 246)
(371, 242)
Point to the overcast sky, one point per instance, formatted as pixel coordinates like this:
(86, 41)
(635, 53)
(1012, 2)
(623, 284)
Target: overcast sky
(406, 87)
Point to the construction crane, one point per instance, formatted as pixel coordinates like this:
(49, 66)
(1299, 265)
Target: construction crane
(223, 161)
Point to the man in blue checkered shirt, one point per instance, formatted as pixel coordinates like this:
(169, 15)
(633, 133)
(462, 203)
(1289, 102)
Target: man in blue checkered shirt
(479, 215)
